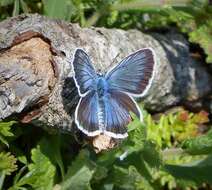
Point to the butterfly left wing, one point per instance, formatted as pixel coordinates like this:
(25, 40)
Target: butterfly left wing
(84, 73)
(133, 74)
(86, 116)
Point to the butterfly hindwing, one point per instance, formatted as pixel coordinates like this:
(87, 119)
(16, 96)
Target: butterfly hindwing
(116, 107)
(117, 113)
(86, 116)
(133, 74)
(127, 102)
(84, 73)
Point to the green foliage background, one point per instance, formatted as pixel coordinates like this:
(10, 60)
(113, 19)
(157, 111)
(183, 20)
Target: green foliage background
(147, 159)
(167, 152)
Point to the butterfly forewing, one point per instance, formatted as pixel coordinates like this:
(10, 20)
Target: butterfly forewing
(133, 74)
(84, 73)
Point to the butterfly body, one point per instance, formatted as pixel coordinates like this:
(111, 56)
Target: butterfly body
(106, 100)
(102, 86)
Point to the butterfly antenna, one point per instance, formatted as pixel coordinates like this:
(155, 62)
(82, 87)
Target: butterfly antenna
(114, 59)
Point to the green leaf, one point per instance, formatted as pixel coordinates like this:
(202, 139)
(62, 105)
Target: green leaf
(6, 2)
(202, 36)
(125, 178)
(19, 154)
(131, 175)
(137, 160)
(5, 128)
(51, 148)
(151, 155)
(24, 6)
(137, 136)
(198, 171)
(57, 9)
(2, 177)
(7, 163)
(16, 8)
(41, 171)
(79, 173)
(100, 173)
(18, 175)
(199, 145)
(108, 186)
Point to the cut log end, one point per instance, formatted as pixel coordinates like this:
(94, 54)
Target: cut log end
(27, 75)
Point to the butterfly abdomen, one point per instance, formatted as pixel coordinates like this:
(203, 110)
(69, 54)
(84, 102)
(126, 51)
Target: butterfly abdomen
(101, 115)
(101, 90)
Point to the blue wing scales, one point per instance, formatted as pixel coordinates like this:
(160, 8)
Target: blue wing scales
(133, 74)
(84, 73)
(117, 113)
(86, 116)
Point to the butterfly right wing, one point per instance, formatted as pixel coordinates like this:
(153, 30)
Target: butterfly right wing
(134, 74)
(86, 116)
(84, 73)
(118, 106)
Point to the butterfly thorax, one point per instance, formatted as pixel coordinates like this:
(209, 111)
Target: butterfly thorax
(102, 86)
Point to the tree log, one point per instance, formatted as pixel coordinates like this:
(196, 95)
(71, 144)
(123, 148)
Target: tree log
(36, 82)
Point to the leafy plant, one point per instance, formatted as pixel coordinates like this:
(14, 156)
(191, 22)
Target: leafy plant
(138, 162)
(199, 145)
(7, 165)
(186, 172)
(178, 125)
(41, 171)
(80, 172)
(5, 132)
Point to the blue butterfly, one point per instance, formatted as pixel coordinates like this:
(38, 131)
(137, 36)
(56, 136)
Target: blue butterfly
(106, 100)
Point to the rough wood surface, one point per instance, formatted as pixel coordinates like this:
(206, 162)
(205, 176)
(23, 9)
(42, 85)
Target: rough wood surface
(36, 81)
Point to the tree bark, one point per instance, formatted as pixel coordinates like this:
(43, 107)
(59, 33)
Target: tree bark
(36, 82)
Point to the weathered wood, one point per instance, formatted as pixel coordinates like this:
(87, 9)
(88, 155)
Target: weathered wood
(35, 74)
